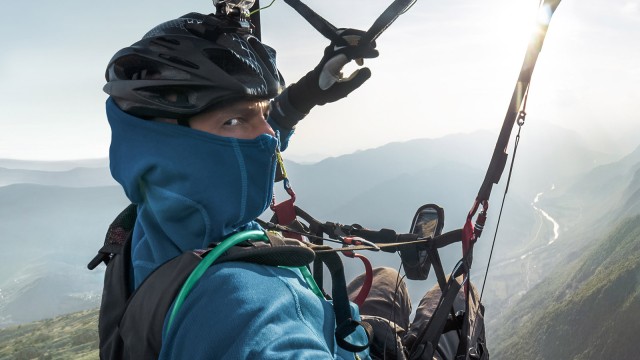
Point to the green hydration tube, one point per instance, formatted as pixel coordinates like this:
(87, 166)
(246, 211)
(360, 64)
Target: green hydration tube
(310, 281)
(210, 258)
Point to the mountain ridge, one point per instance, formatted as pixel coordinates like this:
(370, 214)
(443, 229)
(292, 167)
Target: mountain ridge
(602, 278)
(74, 177)
(52, 165)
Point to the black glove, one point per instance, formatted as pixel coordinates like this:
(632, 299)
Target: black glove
(325, 83)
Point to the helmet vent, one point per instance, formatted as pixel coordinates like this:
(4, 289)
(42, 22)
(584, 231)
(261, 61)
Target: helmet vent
(226, 61)
(179, 61)
(176, 97)
(164, 43)
(169, 40)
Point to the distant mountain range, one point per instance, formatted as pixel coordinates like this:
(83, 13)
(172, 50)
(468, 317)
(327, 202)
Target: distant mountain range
(76, 177)
(53, 216)
(49, 234)
(62, 165)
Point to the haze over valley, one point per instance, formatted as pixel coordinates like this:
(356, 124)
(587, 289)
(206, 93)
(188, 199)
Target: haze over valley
(564, 201)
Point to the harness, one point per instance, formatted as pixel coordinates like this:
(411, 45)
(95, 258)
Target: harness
(355, 238)
(131, 322)
(295, 222)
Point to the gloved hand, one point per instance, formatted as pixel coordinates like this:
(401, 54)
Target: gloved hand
(325, 83)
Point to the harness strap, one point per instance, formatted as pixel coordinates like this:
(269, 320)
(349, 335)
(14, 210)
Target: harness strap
(381, 239)
(426, 343)
(278, 251)
(437, 267)
(368, 277)
(345, 324)
(439, 241)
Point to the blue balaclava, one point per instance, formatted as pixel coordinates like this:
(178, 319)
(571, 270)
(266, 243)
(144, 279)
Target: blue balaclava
(191, 187)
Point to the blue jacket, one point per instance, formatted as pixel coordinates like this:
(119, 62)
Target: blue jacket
(193, 188)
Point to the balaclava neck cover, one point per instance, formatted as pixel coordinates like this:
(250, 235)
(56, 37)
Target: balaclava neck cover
(191, 187)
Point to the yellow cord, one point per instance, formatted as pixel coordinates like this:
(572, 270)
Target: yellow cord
(262, 8)
(280, 160)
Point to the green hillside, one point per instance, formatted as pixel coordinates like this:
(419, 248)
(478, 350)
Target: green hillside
(589, 309)
(73, 336)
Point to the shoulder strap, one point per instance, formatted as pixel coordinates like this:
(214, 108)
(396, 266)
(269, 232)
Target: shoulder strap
(116, 253)
(117, 235)
(142, 322)
(279, 251)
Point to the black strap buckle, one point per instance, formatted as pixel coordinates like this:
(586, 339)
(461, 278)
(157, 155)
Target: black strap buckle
(346, 328)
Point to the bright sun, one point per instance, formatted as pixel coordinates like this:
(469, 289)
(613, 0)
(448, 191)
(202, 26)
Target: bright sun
(517, 20)
(509, 26)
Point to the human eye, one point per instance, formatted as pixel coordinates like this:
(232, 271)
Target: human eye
(232, 122)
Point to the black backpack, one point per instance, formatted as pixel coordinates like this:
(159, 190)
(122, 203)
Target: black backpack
(130, 323)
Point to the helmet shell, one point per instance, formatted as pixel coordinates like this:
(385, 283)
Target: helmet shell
(184, 66)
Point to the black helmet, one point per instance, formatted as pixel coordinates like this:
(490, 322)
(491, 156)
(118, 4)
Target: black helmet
(184, 66)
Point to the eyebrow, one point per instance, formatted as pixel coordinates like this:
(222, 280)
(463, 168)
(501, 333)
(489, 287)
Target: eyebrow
(261, 104)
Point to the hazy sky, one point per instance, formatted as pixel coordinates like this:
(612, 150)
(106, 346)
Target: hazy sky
(444, 67)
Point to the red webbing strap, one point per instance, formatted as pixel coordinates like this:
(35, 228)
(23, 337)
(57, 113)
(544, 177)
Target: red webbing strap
(368, 277)
(286, 214)
(468, 233)
(471, 232)
(468, 238)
